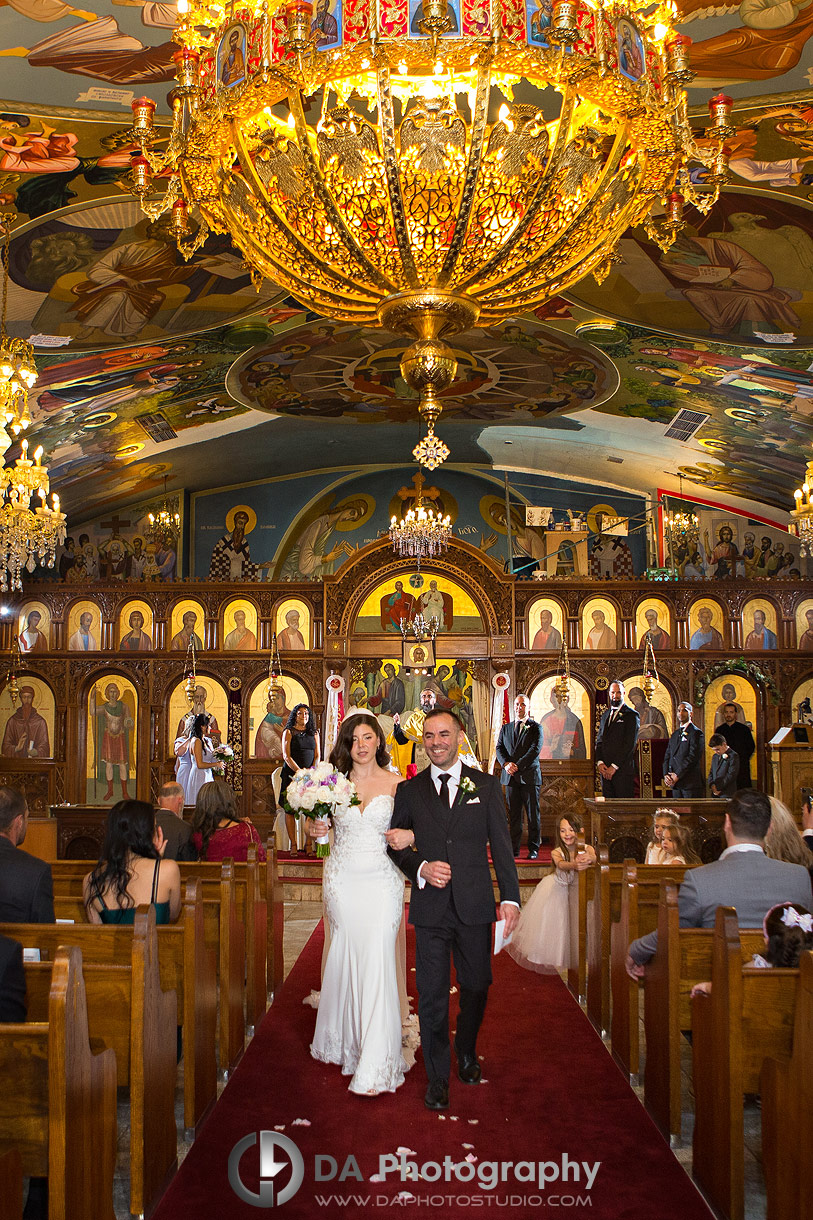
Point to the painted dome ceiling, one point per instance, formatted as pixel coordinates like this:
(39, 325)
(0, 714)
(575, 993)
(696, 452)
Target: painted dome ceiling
(153, 368)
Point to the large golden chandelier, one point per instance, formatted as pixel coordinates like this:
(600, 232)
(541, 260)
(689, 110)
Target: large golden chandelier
(427, 167)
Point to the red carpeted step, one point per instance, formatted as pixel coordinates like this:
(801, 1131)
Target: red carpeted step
(550, 1091)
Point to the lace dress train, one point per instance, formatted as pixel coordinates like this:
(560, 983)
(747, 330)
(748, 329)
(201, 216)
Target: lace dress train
(358, 1022)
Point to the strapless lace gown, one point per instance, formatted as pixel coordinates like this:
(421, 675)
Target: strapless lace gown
(358, 1022)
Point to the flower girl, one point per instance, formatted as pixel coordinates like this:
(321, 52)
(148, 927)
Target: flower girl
(546, 937)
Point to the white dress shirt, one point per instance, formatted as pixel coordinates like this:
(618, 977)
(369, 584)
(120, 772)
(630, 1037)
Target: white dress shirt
(742, 847)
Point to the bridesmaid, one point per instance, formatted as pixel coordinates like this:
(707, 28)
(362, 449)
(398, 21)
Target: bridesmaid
(202, 759)
(300, 750)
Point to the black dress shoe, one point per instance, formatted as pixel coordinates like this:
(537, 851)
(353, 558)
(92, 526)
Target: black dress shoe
(468, 1067)
(436, 1096)
(533, 855)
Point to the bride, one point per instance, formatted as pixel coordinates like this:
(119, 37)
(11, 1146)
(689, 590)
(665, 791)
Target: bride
(358, 1022)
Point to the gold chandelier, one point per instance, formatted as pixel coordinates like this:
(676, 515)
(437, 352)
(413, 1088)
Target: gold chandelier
(802, 525)
(427, 170)
(421, 533)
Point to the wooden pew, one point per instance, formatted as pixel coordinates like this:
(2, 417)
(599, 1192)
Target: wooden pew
(186, 965)
(11, 1185)
(58, 1101)
(683, 958)
(223, 933)
(130, 1014)
(632, 910)
(787, 1113)
(748, 1016)
(597, 947)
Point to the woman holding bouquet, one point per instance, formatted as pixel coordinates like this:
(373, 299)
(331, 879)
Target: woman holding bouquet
(358, 1022)
(202, 760)
(300, 750)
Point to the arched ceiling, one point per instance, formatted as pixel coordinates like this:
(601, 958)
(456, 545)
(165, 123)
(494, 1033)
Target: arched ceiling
(189, 374)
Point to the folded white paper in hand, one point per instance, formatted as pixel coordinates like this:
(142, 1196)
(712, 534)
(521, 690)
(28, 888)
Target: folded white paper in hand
(500, 939)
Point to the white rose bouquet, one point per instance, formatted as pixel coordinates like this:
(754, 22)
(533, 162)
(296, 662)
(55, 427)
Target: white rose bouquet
(316, 792)
(224, 755)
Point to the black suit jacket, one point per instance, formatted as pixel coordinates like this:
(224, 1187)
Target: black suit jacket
(616, 742)
(26, 886)
(461, 836)
(12, 981)
(178, 835)
(685, 757)
(521, 748)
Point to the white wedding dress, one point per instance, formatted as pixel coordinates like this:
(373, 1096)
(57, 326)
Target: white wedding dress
(358, 1023)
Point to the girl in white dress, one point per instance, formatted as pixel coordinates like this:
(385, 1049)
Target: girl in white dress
(663, 818)
(546, 937)
(358, 1023)
(202, 759)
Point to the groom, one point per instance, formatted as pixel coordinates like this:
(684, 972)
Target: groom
(454, 813)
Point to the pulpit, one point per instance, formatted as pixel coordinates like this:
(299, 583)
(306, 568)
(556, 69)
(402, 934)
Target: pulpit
(790, 751)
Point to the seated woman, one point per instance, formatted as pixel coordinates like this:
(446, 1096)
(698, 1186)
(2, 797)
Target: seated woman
(217, 831)
(130, 869)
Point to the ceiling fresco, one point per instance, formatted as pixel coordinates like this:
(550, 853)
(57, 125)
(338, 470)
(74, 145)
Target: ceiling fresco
(155, 369)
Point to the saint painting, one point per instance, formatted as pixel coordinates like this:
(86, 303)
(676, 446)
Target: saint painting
(26, 733)
(111, 753)
(231, 57)
(396, 606)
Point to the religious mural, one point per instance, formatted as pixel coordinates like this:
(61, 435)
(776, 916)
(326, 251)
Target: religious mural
(395, 690)
(186, 626)
(653, 624)
(112, 740)
(566, 731)
(804, 626)
(119, 547)
(729, 688)
(27, 729)
(656, 717)
(84, 627)
(268, 714)
(706, 626)
(759, 625)
(135, 627)
(403, 598)
(34, 627)
(209, 696)
(599, 620)
(545, 625)
(240, 626)
(293, 625)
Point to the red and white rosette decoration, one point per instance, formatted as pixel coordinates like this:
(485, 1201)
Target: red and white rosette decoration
(335, 710)
(500, 713)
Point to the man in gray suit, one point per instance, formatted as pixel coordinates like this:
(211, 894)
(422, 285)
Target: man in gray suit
(743, 878)
(26, 884)
(177, 832)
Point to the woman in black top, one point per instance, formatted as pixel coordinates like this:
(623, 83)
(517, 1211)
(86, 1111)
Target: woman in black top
(300, 750)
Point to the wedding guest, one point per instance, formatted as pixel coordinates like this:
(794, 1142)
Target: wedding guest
(131, 870)
(518, 749)
(725, 766)
(546, 937)
(615, 745)
(217, 831)
(783, 840)
(12, 981)
(26, 884)
(683, 760)
(300, 750)
(788, 932)
(662, 819)
(677, 845)
(169, 817)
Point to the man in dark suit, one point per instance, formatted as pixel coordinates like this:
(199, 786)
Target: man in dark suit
(615, 745)
(683, 760)
(26, 884)
(12, 981)
(455, 814)
(177, 832)
(741, 740)
(744, 878)
(518, 749)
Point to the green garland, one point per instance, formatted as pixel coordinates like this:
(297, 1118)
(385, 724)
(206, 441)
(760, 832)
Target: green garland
(748, 669)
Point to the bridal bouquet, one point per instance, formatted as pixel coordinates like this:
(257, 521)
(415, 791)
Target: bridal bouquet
(317, 792)
(224, 754)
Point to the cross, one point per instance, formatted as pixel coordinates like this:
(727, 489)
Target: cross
(114, 524)
(406, 493)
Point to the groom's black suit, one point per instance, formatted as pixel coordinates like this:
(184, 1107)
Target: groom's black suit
(455, 920)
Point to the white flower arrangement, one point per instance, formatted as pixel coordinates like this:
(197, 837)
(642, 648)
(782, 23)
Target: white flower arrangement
(467, 785)
(316, 792)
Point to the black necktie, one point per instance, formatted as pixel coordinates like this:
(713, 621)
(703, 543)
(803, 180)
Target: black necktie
(444, 778)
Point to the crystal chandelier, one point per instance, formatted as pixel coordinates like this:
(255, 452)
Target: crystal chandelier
(802, 524)
(164, 525)
(28, 536)
(427, 171)
(421, 533)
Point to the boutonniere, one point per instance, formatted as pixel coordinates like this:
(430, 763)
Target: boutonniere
(467, 785)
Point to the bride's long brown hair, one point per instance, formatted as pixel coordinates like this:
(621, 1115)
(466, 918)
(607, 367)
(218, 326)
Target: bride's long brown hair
(340, 756)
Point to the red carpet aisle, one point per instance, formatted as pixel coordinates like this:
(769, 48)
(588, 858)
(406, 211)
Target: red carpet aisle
(552, 1090)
